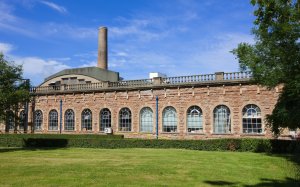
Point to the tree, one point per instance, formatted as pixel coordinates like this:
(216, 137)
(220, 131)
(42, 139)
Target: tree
(14, 91)
(274, 58)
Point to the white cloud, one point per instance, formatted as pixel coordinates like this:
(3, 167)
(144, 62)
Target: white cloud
(65, 30)
(55, 7)
(36, 69)
(6, 12)
(61, 59)
(6, 48)
(89, 64)
(206, 56)
(10, 22)
(216, 56)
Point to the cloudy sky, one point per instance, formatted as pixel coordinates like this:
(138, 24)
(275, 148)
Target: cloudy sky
(175, 37)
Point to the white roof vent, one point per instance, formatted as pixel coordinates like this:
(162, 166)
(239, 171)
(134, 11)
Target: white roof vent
(157, 74)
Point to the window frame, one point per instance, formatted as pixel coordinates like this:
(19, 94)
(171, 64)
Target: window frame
(38, 120)
(146, 124)
(125, 125)
(165, 119)
(22, 118)
(104, 122)
(250, 120)
(225, 128)
(69, 121)
(53, 114)
(88, 125)
(198, 128)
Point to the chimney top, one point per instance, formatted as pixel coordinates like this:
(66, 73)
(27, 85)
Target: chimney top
(102, 48)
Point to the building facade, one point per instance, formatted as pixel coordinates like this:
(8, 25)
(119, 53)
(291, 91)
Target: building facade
(186, 110)
(95, 100)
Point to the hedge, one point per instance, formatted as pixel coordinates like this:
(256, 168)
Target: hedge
(250, 145)
(63, 136)
(19, 140)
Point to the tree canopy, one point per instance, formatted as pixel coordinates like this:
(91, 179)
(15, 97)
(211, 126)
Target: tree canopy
(14, 90)
(274, 58)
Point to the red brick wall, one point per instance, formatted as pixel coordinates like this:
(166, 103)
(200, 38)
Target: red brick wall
(235, 97)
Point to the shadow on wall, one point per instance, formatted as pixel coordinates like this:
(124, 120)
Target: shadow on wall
(288, 182)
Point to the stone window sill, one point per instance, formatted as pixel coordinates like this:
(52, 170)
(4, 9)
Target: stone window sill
(195, 133)
(124, 132)
(252, 134)
(147, 132)
(169, 133)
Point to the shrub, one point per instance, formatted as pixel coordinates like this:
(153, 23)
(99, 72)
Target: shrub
(60, 136)
(88, 141)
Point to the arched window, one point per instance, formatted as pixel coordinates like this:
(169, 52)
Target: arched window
(194, 119)
(22, 120)
(105, 119)
(169, 119)
(222, 122)
(125, 120)
(252, 119)
(86, 119)
(53, 120)
(10, 121)
(69, 120)
(38, 119)
(146, 120)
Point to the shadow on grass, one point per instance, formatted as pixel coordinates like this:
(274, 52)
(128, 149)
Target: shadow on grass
(11, 149)
(288, 182)
(14, 149)
(295, 159)
(220, 183)
(32, 144)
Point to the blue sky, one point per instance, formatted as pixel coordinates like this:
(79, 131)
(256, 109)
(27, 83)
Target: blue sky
(175, 37)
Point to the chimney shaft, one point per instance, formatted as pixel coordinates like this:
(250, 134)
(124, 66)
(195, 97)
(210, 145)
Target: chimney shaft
(102, 48)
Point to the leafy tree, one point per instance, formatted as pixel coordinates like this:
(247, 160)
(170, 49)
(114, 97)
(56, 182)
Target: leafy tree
(274, 58)
(14, 91)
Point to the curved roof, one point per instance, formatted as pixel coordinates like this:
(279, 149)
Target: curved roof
(94, 72)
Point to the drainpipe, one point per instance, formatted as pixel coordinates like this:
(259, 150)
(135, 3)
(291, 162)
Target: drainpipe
(27, 82)
(26, 118)
(156, 117)
(60, 111)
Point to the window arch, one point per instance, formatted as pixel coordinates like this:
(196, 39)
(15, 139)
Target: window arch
(105, 119)
(69, 120)
(252, 122)
(194, 119)
(22, 120)
(38, 119)
(86, 119)
(169, 119)
(146, 120)
(10, 121)
(222, 120)
(125, 119)
(53, 120)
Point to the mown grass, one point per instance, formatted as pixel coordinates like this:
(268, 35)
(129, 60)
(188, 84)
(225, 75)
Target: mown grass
(144, 167)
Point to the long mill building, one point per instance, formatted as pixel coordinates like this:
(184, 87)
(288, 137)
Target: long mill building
(95, 100)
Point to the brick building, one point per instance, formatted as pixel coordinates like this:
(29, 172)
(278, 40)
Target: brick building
(96, 100)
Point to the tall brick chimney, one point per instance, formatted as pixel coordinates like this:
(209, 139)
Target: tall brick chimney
(102, 48)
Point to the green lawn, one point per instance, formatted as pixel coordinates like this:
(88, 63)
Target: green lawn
(143, 167)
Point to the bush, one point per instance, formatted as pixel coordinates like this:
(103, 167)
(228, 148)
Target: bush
(62, 136)
(20, 140)
(88, 141)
